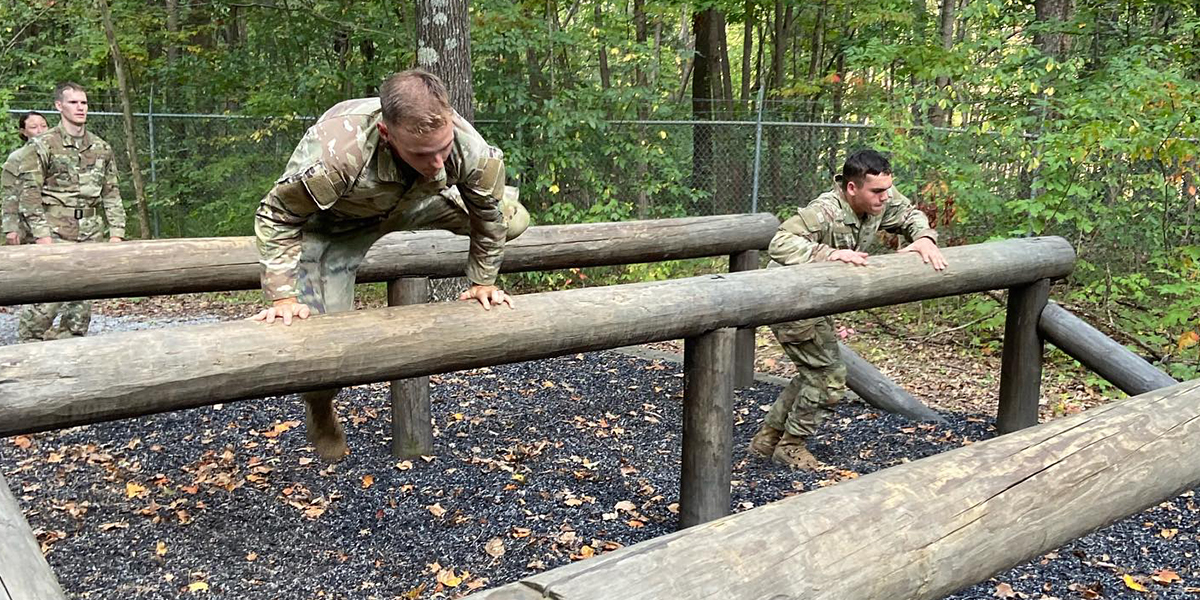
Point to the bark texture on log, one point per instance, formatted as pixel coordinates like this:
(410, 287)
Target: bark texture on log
(743, 361)
(49, 273)
(412, 431)
(24, 574)
(86, 380)
(706, 470)
(877, 390)
(1021, 362)
(1100, 353)
(920, 530)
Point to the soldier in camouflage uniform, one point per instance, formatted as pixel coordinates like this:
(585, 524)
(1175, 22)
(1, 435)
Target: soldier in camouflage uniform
(838, 225)
(29, 126)
(370, 166)
(65, 182)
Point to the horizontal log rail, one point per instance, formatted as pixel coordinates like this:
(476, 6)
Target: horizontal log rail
(35, 273)
(73, 382)
(920, 530)
(1100, 353)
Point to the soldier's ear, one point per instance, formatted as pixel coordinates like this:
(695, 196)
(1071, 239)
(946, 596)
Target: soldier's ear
(383, 130)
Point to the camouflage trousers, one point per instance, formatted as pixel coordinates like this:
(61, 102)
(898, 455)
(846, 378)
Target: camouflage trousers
(36, 321)
(820, 381)
(333, 250)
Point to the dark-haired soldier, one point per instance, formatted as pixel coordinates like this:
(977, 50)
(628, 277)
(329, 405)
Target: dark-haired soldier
(838, 226)
(29, 126)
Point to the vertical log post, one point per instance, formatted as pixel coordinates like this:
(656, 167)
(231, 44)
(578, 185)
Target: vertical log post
(1021, 362)
(24, 573)
(706, 472)
(412, 432)
(743, 362)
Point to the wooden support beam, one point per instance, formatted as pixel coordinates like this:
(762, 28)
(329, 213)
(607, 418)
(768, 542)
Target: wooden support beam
(86, 380)
(1021, 361)
(743, 362)
(33, 273)
(1100, 353)
(920, 530)
(412, 429)
(24, 574)
(707, 469)
(877, 390)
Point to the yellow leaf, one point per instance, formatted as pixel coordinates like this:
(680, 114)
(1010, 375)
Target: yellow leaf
(133, 490)
(447, 578)
(197, 586)
(1132, 583)
(662, 134)
(367, 481)
(554, 188)
(160, 549)
(1188, 339)
(587, 551)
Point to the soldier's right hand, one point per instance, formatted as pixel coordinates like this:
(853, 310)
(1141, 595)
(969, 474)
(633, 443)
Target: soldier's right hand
(44, 240)
(285, 309)
(12, 238)
(853, 257)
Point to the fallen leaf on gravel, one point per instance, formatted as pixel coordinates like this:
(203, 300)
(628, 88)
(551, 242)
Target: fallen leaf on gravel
(477, 583)
(160, 549)
(305, 460)
(1168, 533)
(253, 556)
(494, 547)
(1004, 590)
(625, 505)
(1132, 583)
(133, 490)
(1166, 577)
(520, 532)
(634, 523)
(573, 502)
(279, 428)
(436, 509)
(673, 508)
(198, 586)
(368, 481)
(584, 552)
(115, 525)
(22, 442)
(404, 465)
(447, 578)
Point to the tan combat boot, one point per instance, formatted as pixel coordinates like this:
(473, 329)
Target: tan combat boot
(763, 442)
(792, 453)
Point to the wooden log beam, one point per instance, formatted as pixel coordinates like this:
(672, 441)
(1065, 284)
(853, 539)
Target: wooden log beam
(920, 530)
(1100, 353)
(24, 574)
(86, 380)
(877, 390)
(1021, 361)
(33, 273)
(706, 471)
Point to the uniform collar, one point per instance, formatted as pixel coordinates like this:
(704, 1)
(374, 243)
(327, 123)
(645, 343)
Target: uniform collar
(848, 215)
(68, 141)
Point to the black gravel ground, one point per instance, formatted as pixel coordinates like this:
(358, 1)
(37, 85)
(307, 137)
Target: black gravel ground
(538, 464)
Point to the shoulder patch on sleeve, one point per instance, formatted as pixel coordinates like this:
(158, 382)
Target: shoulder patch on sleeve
(323, 186)
(489, 176)
(812, 218)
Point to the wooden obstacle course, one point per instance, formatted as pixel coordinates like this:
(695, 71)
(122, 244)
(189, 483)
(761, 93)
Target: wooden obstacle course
(24, 574)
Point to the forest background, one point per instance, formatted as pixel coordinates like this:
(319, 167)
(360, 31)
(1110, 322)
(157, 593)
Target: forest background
(1003, 118)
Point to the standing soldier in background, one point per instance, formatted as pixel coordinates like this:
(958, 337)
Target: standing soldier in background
(29, 126)
(837, 226)
(402, 161)
(62, 183)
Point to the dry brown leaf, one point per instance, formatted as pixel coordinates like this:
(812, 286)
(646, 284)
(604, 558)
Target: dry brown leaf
(1003, 590)
(197, 586)
(251, 557)
(1166, 577)
(114, 525)
(22, 442)
(368, 481)
(625, 505)
(520, 532)
(447, 578)
(436, 509)
(573, 502)
(160, 549)
(494, 547)
(133, 490)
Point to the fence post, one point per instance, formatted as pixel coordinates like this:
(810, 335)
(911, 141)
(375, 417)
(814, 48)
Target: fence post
(743, 359)
(412, 431)
(706, 472)
(1021, 361)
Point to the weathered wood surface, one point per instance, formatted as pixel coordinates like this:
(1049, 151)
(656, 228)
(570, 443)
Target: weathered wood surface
(1021, 361)
(1100, 353)
(877, 390)
(412, 430)
(743, 362)
(920, 530)
(34, 273)
(87, 380)
(24, 574)
(706, 471)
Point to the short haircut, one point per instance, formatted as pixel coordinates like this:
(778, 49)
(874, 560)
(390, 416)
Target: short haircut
(863, 163)
(25, 117)
(415, 100)
(64, 86)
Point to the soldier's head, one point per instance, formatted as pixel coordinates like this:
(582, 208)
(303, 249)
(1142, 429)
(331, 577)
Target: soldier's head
(866, 180)
(418, 122)
(71, 100)
(31, 124)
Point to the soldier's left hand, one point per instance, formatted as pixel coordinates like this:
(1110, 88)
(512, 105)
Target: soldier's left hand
(487, 295)
(12, 238)
(114, 239)
(928, 251)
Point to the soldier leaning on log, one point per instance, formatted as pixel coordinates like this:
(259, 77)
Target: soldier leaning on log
(838, 225)
(29, 126)
(405, 160)
(67, 189)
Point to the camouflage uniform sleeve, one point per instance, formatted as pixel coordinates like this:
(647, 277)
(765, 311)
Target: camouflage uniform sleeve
(277, 228)
(30, 177)
(482, 187)
(8, 198)
(903, 217)
(799, 239)
(110, 196)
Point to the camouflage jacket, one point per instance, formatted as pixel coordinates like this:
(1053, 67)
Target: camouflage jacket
(828, 224)
(8, 189)
(343, 168)
(62, 172)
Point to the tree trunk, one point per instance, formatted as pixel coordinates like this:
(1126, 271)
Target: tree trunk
(702, 99)
(747, 50)
(1051, 15)
(639, 80)
(938, 116)
(444, 49)
(601, 49)
(139, 189)
(172, 32)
